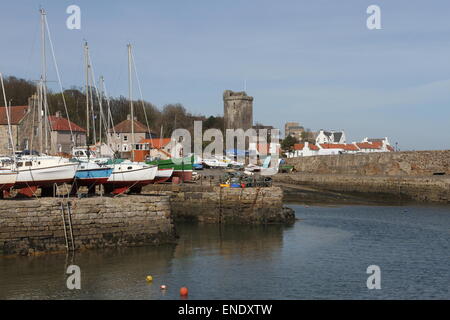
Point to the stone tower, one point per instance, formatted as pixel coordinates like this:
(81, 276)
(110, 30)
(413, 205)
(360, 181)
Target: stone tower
(237, 110)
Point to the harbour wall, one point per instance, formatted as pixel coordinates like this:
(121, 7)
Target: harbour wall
(211, 204)
(34, 226)
(408, 163)
(386, 188)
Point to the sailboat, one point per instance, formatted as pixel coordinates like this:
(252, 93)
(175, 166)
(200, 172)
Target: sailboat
(91, 170)
(130, 175)
(8, 175)
(43, 171)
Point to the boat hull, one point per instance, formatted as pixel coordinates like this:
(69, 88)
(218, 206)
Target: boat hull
(181, 168)
(90, 177)
(7, 179)
(184, 175)
(45, 176)
(163, 175)
(122, 180)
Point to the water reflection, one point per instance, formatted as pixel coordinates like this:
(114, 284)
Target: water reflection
(229, 240)
(120, 273)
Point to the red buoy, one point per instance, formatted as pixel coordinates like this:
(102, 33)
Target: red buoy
(184, 291)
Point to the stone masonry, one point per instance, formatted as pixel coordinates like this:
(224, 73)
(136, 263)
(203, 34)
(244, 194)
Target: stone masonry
(415, 188)
(408, 163)
(33, 226)
(211, 204)
(237, 110)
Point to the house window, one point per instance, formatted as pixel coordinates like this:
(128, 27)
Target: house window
(125, 147)
(125, 138)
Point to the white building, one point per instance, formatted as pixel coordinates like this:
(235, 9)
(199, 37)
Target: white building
(330, 137)
(304, 150)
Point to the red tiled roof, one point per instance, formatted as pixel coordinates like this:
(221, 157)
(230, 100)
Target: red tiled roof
(332, 146)
(300, 146)
(16, 115)
(156, 143)
(378, 144)
(348, 147)
(367, 145)
(62, 124)
(125, 127)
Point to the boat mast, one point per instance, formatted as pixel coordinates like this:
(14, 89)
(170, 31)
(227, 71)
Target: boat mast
(39, 111)
(43, 82)
(86, 62)
(8, 118)
(131, 101)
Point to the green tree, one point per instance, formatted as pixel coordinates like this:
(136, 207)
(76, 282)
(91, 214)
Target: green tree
(288, 143)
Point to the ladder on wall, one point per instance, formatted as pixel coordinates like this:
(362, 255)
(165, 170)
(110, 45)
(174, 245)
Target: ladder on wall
(66, 217)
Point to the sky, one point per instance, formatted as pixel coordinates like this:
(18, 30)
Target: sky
(314, 61)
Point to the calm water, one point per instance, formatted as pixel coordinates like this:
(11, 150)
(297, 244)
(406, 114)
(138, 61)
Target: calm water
(324, 255)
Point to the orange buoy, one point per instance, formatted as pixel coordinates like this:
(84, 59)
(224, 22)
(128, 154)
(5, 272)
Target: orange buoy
(184, 291)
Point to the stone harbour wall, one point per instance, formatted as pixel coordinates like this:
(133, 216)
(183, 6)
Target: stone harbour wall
(211, 204)
(33, 226)
(408, 163)
(423, 188)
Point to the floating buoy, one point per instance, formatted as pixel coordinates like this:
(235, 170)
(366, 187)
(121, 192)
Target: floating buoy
(183, 291)
(163, 287)
(149, 278)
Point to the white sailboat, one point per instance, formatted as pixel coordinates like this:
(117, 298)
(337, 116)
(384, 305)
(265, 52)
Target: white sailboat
(43, 171)
(8, 175)
(130, 175)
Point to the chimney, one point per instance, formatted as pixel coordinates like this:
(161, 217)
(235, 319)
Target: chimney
(58, 114)
(128, 116)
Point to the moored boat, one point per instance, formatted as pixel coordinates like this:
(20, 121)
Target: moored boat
(182, 168)
(129, 176)
(8, 178)
(91, 174)
(163, 175)
(43, 172)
